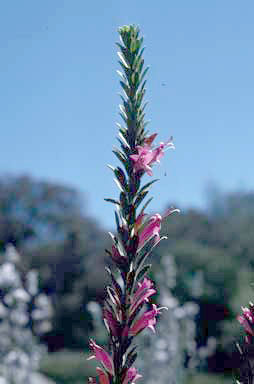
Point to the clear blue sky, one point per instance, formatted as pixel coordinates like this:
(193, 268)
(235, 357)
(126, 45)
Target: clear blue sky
(59, 102)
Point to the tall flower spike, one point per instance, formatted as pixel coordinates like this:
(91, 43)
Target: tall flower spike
(124, 313)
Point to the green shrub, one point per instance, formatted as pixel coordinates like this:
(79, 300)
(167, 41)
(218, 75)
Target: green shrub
(68, 367)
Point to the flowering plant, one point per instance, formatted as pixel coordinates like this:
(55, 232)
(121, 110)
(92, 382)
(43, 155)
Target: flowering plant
(125, 314)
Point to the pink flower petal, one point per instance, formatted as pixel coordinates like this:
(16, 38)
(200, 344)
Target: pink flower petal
(147, 320)
(131, 376)
(146, 156)
(102, 356)
(244, 322)
(103, 377)
(152, 229)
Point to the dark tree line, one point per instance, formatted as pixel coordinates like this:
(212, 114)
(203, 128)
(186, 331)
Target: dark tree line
(47, 224)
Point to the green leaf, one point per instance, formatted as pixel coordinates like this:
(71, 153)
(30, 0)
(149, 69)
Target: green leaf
(141, 42)
(112, 295)
(123, 131)
(136, 62)
(121, 127)
(140, 96)
(133, 46)
(123, 117)
(127, 108)
(113, 237)
(143, 74)
(125, 149)
(133, 246)
(132, 215)
(125, 88)
(139, 57)
(143, 271)
(112, 201)
(124, 141)
(140, 65)
(121, 177)
(143, 86)
(119, 154)
(117, 220)
(111, 167)
(144, 106)
(130, 279)
(122, 109)
(122, 59)
(148, 185)
(146, 204)
(131, 357)
(140, 118)
(121, 158)
(123, 98)
(124, 203)
(140, 197)
(119, 185)
(121, 75)
(126, 73)
(147, 248)
(120, 46)
(117, 287)
(123, 50)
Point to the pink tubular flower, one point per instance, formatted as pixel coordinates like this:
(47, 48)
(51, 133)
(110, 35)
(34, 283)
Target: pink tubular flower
(103, 377)
(247, 320)
(152, 229)
(142, 294)
(147, 320)
(159, 151)
(248, 314)
(143, 159)
(102, 356)
(131, 376)
(146, 156)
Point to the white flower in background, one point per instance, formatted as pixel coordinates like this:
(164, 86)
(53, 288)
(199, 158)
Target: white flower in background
(24, 311)
(9, 276)
(32, 282)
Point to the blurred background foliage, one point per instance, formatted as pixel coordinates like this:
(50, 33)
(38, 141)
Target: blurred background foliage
(212, 250)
